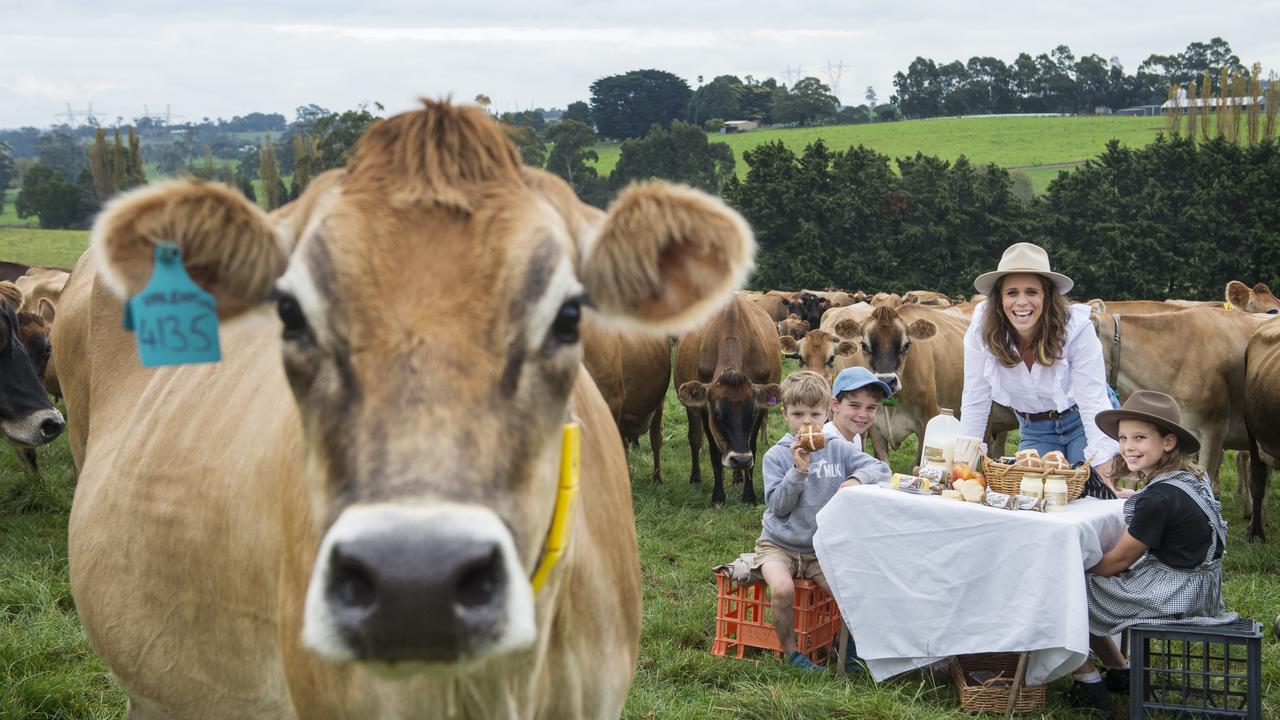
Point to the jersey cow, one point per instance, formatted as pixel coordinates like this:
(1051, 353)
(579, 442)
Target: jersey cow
(342, 517)
(1257, 299)
(27, 418)
(1262, 417)
(1150, 352)
(727, 374)
(919, 352)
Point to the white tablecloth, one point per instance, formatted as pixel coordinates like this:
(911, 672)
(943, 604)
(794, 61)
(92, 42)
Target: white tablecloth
(920, 578)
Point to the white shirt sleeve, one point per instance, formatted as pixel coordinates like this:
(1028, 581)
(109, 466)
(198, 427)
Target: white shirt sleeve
(1088, 377)
(975, 399)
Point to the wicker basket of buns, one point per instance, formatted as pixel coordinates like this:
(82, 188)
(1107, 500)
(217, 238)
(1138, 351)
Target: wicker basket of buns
(1007, 478)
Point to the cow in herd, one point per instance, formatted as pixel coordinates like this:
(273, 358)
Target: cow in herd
(27, 417)
(342, 517)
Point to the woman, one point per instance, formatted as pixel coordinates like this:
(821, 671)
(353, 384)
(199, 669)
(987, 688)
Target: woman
(1031, 350)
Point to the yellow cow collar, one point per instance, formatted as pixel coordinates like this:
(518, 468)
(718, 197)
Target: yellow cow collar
(558, 536)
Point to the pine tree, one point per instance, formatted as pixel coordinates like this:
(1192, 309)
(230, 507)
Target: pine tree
(1206, 92)
(1254, 84)
(1192, 110)
(269, 171)
(1273, 105)
(1173, 117)
(100, 166)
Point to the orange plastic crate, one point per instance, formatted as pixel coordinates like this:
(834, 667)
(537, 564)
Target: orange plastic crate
(744, 619)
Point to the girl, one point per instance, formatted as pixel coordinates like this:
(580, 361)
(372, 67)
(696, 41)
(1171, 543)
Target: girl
(1168, 566)
(1027, 348)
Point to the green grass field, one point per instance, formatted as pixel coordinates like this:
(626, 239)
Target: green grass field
(47, 669)
(1040, 147)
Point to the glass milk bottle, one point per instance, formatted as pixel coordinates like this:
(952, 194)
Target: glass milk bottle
(1055, 493)
(938, 446)
(1032, 485)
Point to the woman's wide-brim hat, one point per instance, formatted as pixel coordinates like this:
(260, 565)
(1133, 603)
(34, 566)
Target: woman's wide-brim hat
(1023, 257)
(1153, 407)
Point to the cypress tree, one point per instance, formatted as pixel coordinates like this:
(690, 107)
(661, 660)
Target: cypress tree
(269, 171)
(1173, 116)
(136, 174)
(1255, 97)
(119, 165)
(1273, 99)
(1206, 92)
(100, 166)
(1191, 111)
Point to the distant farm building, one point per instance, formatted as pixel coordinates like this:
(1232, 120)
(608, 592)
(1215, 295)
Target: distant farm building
(1183, 104)
(734, 126)
(1139, 110)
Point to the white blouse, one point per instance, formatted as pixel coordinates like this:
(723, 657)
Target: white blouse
(1079, 378)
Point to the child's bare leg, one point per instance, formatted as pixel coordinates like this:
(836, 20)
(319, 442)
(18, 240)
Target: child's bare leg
(783, 591)
(1106, 650)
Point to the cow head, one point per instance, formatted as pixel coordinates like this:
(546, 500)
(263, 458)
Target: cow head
(820, 351)
(811, 307)
(731, 403)
(885, 338)
(27, 418)
(793, 327)
(1257, 299)
(432, 448)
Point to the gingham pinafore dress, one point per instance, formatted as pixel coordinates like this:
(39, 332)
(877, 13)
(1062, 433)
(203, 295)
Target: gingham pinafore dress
(1153, 591)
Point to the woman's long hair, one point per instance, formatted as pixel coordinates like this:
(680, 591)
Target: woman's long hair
(1051, 330)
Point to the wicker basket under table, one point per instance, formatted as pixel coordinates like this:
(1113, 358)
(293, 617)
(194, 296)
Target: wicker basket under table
(1008, 478)
(991, 697)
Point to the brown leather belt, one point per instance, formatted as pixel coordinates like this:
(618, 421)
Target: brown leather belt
(1047, 415)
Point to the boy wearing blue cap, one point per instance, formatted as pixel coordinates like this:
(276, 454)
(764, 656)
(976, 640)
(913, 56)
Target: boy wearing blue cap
(855, 396)
(797, 484)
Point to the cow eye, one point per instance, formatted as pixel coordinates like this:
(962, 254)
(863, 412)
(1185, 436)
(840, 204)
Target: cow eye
(866, 348)
(565, 328)
(1273, 311)
(295, 322)
(906, 346)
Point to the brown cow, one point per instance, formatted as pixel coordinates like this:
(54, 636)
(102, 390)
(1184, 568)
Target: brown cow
(27, 419)
(823, 350)
(1257, 299)
(778, 304)
(342, 517)
(1262, 417)
(1208, 383)
(892, 300)
(793, 327)
(926, 297)
(919, 352)
(727, 374)
(646, 375)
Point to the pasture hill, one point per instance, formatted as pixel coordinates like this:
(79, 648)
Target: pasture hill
(1039, 147)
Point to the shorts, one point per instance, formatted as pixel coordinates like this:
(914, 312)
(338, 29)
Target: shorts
(801, 565)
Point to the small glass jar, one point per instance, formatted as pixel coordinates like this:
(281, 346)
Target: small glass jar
(1032, 485)
(1055, 493)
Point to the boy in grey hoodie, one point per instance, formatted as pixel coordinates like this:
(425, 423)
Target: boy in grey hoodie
(797, 483)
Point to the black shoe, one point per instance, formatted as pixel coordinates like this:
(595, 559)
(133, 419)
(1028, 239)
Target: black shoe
(1117, 680)
(1091, 696)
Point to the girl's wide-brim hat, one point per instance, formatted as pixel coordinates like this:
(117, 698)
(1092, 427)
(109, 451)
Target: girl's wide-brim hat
(1023, 257)
(1153, 407)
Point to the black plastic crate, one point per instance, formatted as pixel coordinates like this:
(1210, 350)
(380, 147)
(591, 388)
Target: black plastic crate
(1188, 671)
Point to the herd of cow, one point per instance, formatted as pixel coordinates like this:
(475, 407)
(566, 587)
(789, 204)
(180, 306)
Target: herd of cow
(341, 518)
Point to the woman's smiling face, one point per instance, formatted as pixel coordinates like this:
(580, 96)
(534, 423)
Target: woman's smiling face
(1022, 298)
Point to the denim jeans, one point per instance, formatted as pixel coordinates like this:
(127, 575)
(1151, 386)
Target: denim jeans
(1065, 434)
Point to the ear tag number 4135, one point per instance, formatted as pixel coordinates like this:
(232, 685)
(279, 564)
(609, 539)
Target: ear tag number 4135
(172, 319)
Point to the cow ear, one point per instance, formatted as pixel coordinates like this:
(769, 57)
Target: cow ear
(1098, 306)
(45, 308)
(1262, 288)
(921, 329)
(766, 394)
(693, 394)
(11, 294)
(1237, 293)
(846, 348)
(848, 329)
(229, 247)
(790, 348)
(667, 256)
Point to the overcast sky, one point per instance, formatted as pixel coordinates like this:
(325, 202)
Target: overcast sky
(232, 57)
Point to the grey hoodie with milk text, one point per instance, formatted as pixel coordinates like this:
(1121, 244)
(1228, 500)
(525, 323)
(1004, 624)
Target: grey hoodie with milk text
(792, 500)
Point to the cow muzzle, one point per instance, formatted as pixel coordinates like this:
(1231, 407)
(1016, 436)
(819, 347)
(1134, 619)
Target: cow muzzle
(430, 585)
(37, 428)
(738, 460)
(890, 379)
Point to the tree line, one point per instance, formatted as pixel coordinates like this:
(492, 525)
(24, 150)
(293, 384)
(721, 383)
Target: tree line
(1052, 82)
(1176, 219)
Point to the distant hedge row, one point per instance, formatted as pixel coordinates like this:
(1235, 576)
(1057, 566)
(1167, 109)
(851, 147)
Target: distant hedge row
(1171, 220)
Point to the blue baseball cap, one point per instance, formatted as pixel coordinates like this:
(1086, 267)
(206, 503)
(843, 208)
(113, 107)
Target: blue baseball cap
(855, 378)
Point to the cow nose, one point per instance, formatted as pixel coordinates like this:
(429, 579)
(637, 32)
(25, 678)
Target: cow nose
(395, 599)
(51, 428)
(739, 461)
(890, 379)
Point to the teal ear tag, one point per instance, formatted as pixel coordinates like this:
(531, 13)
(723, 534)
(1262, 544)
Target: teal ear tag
(173, 320)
